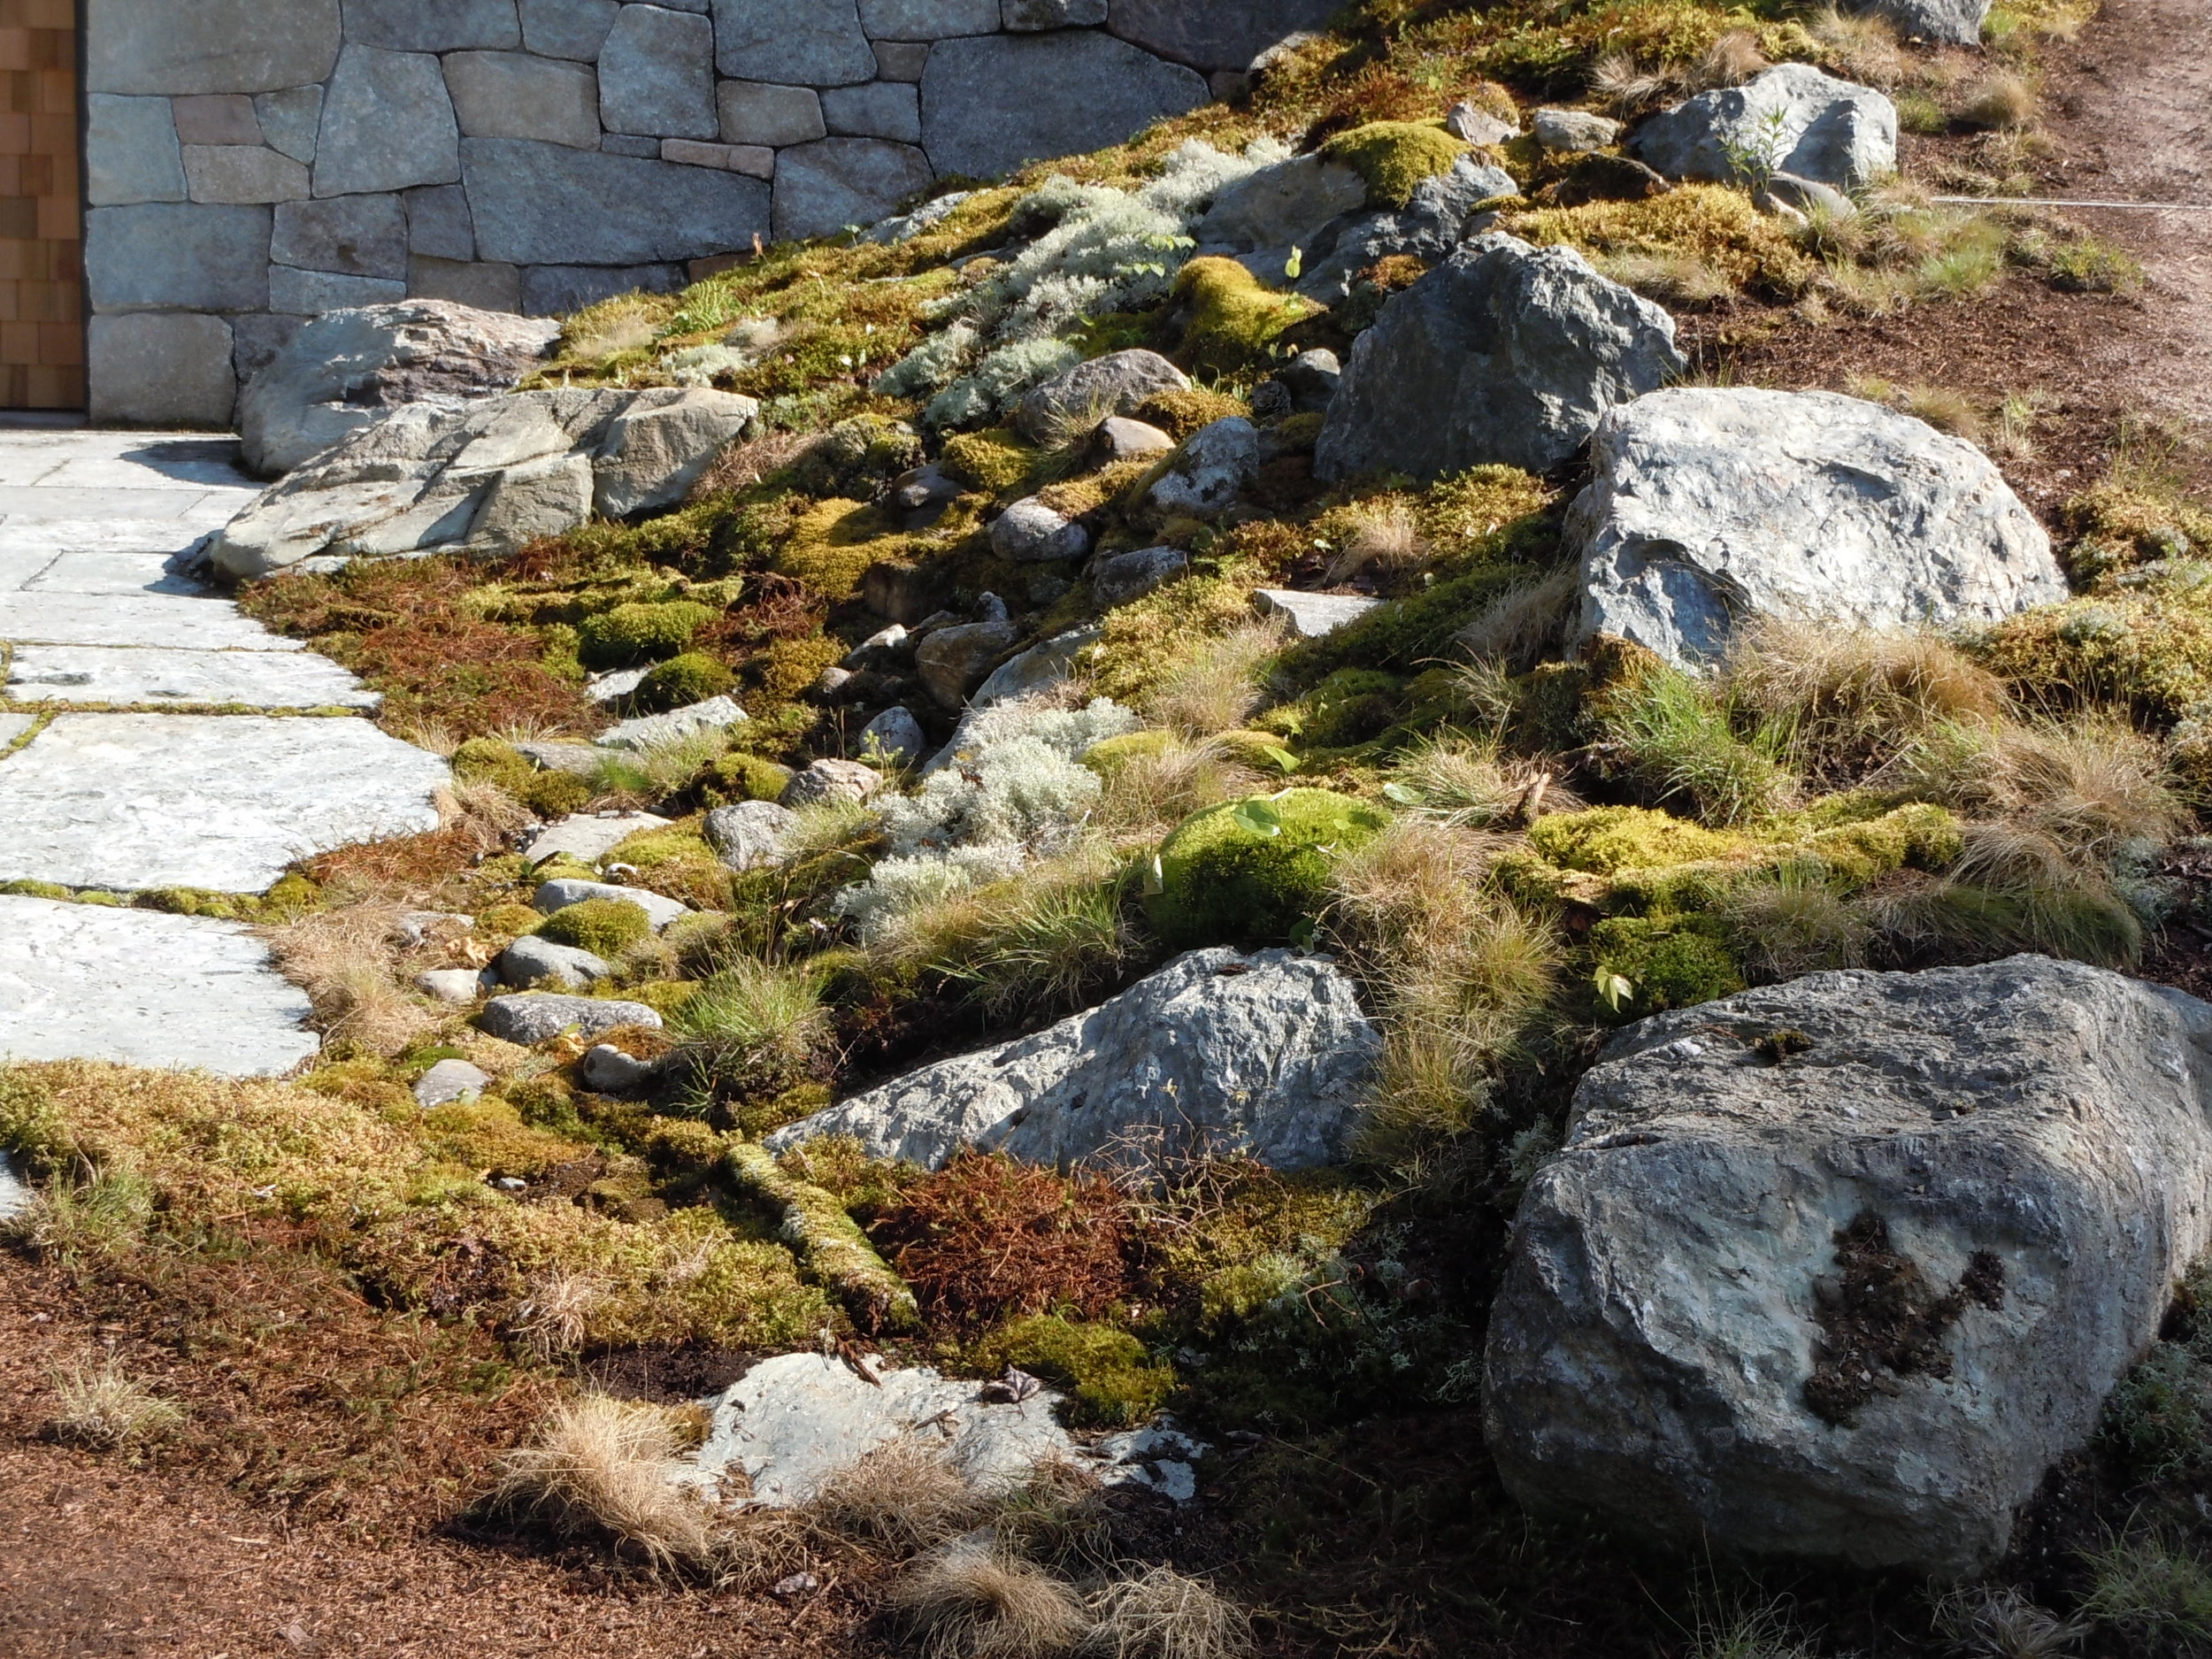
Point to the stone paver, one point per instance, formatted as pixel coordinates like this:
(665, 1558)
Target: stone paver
(224, 801)
(103, 628)
(81, 982)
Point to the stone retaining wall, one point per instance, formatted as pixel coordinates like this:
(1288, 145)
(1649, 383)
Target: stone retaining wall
(252, 163)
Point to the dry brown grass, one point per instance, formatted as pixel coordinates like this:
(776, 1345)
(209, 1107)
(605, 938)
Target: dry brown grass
(346, 962)
(1160, 1614)
(1731, 61)
(1946, 409)
(1854, 697)
(973, 1601)
(105, 1408)
(1523, 625)
(610, 1467)
(1861, 46)
(1383, 537)
(1217, 687)
(2088, 786)
(556, 1319)
(742, 465)
(1147, 794)
(904, 1496)
(2001, 102)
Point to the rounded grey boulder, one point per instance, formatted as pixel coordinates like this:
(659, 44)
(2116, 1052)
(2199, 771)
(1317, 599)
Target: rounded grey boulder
(1837, 1268)
(535, 1018)
(1710, 505)
(1792, 118)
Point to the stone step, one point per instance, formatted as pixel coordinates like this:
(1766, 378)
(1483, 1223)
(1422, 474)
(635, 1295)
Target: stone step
(137, 676)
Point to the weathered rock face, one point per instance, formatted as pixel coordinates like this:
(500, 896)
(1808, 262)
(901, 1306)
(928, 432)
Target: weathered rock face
(1504, 354)
(535, 1017)
(992, 102)
(1115, 384)
(343, 371)
(1792, 117)
(1952, 22)
(1709, 505)
(1219, 35)
(1266, 1054)
(750, 836)
(1216, 465)
(490, 476)
(1853, 1304)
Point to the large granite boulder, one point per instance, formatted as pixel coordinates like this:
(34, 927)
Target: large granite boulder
(1267, 1055)
(489, 476)
(1505, 355)
(1710, 504)
(1838, 1268)
(345, 369)
(1950, 22)
(1792, 119)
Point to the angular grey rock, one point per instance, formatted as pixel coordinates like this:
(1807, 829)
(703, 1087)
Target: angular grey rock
(160, 48)
(1115, 384)
(546, 204)
(225, 118)
(897, 736)
(889, 648)
(1127, 576)
(1039, 668)
(532, 961)
(1119, 438)
(457, 987)
(1569, 132)
(182, 257)
(355, 236)
(927, 20)
(794, 42)
(567, 28)
(1711, 505)
(659, 447)
(587, 838)
(1220, 33)
(1030, 531)
(1267, 1055)
(796, 1422)
(1431, 224)
(344, 370)
(657, 74)
(882, 109)
(438, 224)
(606, 1070)
(824, 186)
(832, 782)
(310, 293)
(1503, 354)
(513, 95)
(1311, 615)
(1949, 22)
(131, 151)
(1312, 378)
(615, 684)
(533, 1019)
(257, 341)
(750, 836)
(553, 896)
(363, 148)
(433, 26)
(952, 661)
(1471, 124)
(1286, 205)
(1798, 119)
(1022, 16)
(650, 731)
(991, 103)
(291, 120)
(775, 116)
(450, 1080)
(1666, 1350)
(1216, 465)
(162, 369)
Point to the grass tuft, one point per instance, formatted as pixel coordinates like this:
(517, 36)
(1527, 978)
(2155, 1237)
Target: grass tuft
(103, 1408)
(973, 1601)
(610, 1467)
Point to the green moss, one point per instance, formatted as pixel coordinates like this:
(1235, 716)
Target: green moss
(831, 547)
(1179, 414)
(1669, 962)
(857, 458)
(1708, 225)
(1394, 157)
(1109, 757)
(487, 760)
(636, 632)
(831, 1248)
(681, 681)
(1402, 634)
(606, 927)
(1233, 320)
(740, 776)
(554, 793)
(994, 461)
(1113, 1383)
(2144, 645)
(1608, 839)
(1256, 869)
(1352, 706)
